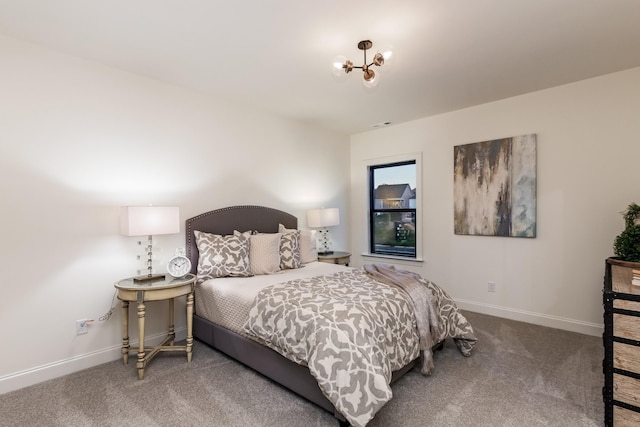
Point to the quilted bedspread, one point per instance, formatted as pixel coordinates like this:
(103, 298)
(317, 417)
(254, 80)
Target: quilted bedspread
(351, 331)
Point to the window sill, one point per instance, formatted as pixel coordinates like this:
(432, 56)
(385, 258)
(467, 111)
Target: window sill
(395, 258)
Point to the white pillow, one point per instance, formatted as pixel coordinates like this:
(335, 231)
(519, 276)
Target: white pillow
(308, 250)
(264, 253)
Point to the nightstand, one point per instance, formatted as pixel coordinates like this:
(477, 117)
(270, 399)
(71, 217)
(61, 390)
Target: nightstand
(335, 258)
(157, 290)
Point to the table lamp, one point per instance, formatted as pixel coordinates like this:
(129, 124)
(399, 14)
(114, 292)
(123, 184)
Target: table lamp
(323, 218)
(147, 221)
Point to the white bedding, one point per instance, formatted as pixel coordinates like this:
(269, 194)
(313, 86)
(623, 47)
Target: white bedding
(226, 301)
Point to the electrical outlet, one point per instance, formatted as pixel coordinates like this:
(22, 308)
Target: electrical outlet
(82, 326)
(491, 287)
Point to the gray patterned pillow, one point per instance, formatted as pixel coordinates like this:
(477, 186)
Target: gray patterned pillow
(222, 256)
(290, 250)
(308, 251)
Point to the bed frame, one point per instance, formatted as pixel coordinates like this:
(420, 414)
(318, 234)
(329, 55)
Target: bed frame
(264, 360)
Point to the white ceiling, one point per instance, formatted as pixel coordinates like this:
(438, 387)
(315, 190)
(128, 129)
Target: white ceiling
(276, 54)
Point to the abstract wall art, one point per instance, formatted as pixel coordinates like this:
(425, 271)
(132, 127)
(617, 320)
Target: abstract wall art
(495, 187)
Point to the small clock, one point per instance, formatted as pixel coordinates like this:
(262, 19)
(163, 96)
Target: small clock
(179, 265)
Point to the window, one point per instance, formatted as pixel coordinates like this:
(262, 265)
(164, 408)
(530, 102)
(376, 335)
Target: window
(392, 208)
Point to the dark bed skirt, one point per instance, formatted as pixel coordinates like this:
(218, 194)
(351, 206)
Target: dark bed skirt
(270, 363)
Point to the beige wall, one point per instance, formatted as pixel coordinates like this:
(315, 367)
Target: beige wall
(77, 141)
(588, 153)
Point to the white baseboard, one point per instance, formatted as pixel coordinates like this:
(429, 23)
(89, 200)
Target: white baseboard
(557, 322)
(67, 366)
(59, 368)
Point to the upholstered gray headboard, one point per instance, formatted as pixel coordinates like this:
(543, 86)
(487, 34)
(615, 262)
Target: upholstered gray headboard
(242, 218)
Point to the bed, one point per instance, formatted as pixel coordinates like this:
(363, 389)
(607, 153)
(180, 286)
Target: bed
(246, 221)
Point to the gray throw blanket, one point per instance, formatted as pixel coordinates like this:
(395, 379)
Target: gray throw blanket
(427, 319)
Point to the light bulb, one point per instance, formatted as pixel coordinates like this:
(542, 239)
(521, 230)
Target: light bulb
(370, 78)
(338, 66)
(387, 53)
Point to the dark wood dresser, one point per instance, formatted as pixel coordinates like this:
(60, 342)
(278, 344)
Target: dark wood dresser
(621, 339)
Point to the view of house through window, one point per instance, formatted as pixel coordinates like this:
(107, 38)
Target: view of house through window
(392, 198)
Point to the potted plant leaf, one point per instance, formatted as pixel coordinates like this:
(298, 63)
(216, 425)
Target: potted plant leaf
(625, 266)
(627, 245)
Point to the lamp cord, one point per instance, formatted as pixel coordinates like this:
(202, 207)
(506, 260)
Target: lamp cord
(108, 314)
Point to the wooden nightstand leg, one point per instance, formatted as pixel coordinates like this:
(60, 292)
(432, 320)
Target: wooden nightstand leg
(172, 332)
(141, 362)
(189, 326)
(125, 332)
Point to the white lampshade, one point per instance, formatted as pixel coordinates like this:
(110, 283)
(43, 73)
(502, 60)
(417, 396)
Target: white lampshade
(323, 217)
(149, 220)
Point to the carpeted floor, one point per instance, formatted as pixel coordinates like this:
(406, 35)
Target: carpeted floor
(519, 375)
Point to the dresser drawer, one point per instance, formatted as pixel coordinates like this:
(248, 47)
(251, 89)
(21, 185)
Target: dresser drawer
(626, 389)
(626, 357)
(625, 418)
(621, 278)
(626, 326)
(627, 305)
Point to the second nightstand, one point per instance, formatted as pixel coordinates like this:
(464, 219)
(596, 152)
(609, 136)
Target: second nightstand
(336, 258)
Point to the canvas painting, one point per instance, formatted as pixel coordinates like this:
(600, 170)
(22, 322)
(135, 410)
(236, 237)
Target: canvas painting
(495, 187)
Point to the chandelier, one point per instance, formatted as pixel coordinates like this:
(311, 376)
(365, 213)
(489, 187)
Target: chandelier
(342, 66)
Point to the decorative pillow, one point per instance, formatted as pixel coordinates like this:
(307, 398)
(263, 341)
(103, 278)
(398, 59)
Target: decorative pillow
(308, 250)
(264, 252)
(290, 250)
(222, 256)
(246, 234)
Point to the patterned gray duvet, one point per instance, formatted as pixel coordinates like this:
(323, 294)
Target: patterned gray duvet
(352, 331)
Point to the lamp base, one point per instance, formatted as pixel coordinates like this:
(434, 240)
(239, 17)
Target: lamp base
(148, 278)
(325, 253)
